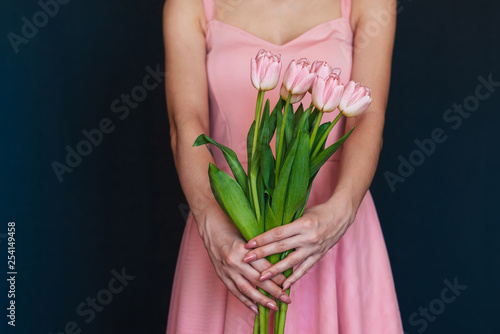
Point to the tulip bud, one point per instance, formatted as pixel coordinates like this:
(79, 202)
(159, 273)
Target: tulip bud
(298, 77)
(327, 92)
(355, 100)
(323, 69)
(265, 70)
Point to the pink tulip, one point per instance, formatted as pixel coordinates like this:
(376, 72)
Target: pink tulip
(265, 70)
(298, 77)
(323, 69)
(355, 100)
(295, 97)
(327, 92)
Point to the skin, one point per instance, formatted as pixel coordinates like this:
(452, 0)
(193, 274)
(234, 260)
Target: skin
(242, 266)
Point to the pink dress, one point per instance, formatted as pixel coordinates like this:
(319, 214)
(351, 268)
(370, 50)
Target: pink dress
(350, 290)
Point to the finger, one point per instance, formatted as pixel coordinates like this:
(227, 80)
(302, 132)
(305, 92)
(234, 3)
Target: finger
(293, 259)
(275, 291)
(275, 234)
(245, 288)
(262, 264)
(274, 248)
(242, 298)
(301, 270)
(252, 276)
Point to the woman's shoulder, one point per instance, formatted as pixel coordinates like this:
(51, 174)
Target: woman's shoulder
(375, 10)
(184, 12)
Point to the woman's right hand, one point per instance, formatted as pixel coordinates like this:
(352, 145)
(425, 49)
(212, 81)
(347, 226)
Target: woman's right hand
(226, 249)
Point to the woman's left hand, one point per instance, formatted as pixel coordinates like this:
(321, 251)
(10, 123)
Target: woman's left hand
(312, 235)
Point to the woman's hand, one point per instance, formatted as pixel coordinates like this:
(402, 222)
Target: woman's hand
(226, 249)
(312, 235)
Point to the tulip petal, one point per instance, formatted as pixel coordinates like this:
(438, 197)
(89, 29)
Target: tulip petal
(303, 82)
(357, 107)
(317, 95)
(271, 76)
(333, 102)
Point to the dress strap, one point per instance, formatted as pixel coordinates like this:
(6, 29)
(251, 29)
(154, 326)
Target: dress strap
(345, 8)
(209, 7)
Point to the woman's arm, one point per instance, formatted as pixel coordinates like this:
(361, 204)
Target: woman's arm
(187, 104)
(321, 226)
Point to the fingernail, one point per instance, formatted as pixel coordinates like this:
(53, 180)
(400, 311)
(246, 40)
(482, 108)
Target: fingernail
(254, 309)
(251, 244)
(272, 306)
(250, 257)
(265, 276)
(284, 298)
(286, 286)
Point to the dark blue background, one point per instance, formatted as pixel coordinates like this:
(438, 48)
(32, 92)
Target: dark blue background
(122, 206)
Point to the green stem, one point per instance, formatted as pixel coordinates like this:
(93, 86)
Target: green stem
(315, 129)
(282, 135)
(258, 112)
(267, 321)
(282, 316)
(277, 316)
(262, 320)
(263, 316)
(325, 135)
(253, 180)
(256, 327)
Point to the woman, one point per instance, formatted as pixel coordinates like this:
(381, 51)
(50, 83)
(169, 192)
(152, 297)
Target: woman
(349, 287)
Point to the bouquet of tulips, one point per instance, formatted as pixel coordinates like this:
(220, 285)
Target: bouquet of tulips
(275, 188)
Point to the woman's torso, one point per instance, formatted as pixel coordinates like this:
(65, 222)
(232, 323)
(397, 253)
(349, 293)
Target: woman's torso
(229, 50)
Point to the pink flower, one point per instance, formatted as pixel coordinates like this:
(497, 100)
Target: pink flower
(295, 97)
(298, 77)
(327, 92)
(323, 69)
(355, 100)
(265, 70)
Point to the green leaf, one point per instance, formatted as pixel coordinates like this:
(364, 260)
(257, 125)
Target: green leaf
(299, 213)
(322, 157)
(250, 145)
(265, 120)
(279, 195)
(267, 167)
(299, 178)
(272, 121)
(298, 115)
(321, 130)
(233, 201)
(231, 158)
(268, 125)
(313, 117)
(261, 196)
(270, 220)
(289, 125)
(302, 125)
(279, 121)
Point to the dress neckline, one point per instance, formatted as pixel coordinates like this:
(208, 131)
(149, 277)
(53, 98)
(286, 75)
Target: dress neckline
(295, 39)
